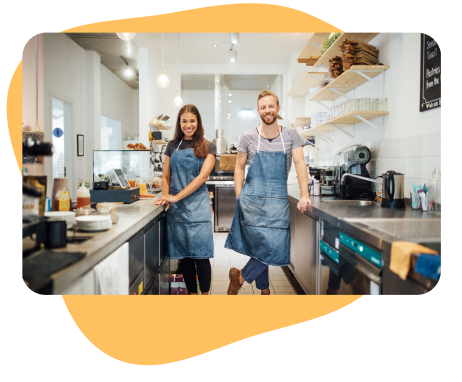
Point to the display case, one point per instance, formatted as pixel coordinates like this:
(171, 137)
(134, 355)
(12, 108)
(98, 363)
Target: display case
(132, 162)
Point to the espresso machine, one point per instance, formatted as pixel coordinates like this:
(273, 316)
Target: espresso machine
(352, 160)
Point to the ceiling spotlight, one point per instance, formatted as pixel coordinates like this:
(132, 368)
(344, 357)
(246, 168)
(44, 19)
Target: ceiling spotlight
(230, 101)
(219, 100)
(128, 72)
(214, 45)
(267, 86)
(230, 94)
(229, 114)
(234, 38)
(126, 36)
(229, 117)
(218, 80)
(232, 54)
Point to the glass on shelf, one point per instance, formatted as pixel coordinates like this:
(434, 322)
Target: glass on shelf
(364, 104)
(374, 104)
(354, 105)
(382, 104)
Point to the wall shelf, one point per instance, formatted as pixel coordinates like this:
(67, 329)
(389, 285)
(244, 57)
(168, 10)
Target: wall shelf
(313, 46)
(346, 120)
(348, 81)
(159, 127)
(334, 49)
(309, 80)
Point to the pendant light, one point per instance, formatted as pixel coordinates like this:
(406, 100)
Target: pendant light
(126, 36)
(232, 54)
(178, 101)
(162, 80)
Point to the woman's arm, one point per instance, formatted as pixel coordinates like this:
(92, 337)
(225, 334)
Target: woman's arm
(239, 172)
(198, 181)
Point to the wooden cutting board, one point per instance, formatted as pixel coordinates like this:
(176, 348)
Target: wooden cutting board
(228, 162)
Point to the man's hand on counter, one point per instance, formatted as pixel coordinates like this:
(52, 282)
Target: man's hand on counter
(303, 203)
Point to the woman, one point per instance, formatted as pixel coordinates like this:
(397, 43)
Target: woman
(189, 160)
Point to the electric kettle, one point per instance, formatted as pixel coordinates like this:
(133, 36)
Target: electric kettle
(393, 190)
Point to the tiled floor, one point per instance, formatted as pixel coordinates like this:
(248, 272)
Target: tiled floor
(225, 259)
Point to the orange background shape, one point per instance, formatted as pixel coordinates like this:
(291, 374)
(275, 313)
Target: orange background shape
(146, 330)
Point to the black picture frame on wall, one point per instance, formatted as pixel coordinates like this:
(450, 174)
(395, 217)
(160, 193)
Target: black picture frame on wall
(80, 145)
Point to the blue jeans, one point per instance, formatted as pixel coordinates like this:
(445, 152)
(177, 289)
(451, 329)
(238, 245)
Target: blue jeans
(256, 270)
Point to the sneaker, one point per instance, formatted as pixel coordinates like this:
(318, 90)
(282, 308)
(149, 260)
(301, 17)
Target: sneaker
(234, 284)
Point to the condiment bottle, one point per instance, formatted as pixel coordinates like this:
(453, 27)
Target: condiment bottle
(317, 188)
(63, 200)
(83, 197)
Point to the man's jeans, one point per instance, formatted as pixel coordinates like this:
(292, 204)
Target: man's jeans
(256, 270)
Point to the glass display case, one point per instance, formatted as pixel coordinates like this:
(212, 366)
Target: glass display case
(133, 163)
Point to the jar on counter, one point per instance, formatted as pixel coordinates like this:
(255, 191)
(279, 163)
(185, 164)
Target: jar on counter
(112, 207)
(317, 188)
(83, 197)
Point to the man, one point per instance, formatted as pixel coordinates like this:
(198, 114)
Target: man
(261, 223)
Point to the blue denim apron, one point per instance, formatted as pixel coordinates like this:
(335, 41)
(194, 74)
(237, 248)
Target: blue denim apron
(261, 222)
(189, 221)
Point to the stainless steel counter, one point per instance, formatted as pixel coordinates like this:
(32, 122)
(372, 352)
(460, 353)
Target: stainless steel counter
(341, 213)
(133, 218)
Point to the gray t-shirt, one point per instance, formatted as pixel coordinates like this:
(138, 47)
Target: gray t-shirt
(249, 143)
(185, 144)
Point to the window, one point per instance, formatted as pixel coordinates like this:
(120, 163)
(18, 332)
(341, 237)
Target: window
(246, 113)
(111, 134)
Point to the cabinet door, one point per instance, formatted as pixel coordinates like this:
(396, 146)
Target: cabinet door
(293, 259)
(151, 251)
(225, 204)
(135, 256)
(162, 237)
(164, 278)
(306, 251)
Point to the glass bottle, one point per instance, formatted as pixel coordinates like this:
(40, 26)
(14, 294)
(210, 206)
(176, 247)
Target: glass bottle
(438, 195)
(83, 197)
(431, 192)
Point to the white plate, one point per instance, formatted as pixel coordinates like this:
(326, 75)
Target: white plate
(60, 214)
(92, 219)
(93, 229)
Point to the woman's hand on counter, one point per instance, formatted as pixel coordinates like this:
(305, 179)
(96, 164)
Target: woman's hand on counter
(303, 203)
(162, 201)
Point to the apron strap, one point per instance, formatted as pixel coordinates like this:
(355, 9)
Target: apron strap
(179, 145)
(280, 133)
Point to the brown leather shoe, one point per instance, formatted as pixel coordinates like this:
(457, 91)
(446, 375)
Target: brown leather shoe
(234, 284)
(265, 294)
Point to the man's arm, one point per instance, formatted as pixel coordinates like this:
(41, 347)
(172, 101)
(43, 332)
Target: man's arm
(302, 175)
(239, 172)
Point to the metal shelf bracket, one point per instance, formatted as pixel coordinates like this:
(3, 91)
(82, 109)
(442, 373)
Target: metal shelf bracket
(316, 45)
(369, 123)
(327, 107)
(368, 78)
(343, 131)
(341, 94)
(321, 136)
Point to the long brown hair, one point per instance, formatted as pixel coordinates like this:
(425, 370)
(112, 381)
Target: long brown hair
(198, 143)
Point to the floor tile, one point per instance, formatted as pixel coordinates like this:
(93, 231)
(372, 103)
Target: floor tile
(283, 289)
(278, 277)
(220, 283)
(220, 277)
(280, 283)
(286, 294)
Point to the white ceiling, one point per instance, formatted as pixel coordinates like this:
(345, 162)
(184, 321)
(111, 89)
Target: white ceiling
(195, 49)
(252, 49)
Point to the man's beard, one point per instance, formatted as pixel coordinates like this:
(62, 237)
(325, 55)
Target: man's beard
(263, 118)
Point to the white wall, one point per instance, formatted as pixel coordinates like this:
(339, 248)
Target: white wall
(28, 94)
(119, 101)
(204, 100)
(411, 143)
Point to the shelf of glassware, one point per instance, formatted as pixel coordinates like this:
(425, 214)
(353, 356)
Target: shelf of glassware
(345, 120)
(348, 81)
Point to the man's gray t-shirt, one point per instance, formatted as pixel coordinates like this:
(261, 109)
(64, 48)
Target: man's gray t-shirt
(249, 143)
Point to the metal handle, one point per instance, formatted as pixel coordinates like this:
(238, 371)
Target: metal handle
(390, 179)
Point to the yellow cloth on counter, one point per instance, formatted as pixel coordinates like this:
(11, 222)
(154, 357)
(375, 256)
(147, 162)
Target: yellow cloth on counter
(401, 253)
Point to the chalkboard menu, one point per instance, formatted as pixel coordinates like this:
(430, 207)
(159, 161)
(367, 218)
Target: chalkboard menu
(430, 73)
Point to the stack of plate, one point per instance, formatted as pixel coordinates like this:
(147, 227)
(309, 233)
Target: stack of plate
(93, 222)
(67, 216)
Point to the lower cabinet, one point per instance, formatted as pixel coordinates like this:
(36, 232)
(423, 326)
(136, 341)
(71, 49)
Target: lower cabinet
(164, 278)
(304, 249)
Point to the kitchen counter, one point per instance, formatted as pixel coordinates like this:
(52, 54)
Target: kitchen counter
(133, 218)
(340, 215)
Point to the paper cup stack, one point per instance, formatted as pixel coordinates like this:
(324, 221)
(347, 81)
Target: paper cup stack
(93, 222)
(67, 216)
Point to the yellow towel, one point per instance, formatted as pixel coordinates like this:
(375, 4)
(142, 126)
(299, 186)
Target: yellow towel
(401, 252)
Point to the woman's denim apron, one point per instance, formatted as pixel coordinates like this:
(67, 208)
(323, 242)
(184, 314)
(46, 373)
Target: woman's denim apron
(189, 221)
(261, 222)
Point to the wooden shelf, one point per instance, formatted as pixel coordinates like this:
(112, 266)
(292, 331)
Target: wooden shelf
(334, 49)
(310, 49)
(160, 142)
(345, 120)
(309, 80)
(159, 127)
(347, 81)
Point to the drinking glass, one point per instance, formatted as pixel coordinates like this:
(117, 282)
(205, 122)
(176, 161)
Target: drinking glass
(364, 104)
(354, 105)
(374, 104)
(382, 104)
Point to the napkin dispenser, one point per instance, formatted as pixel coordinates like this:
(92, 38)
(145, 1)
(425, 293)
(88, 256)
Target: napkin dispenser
(126, 196)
